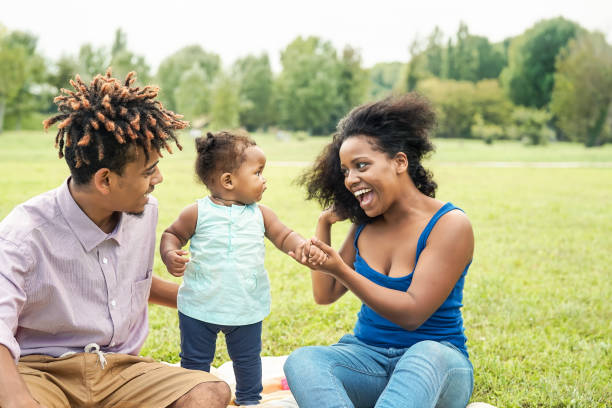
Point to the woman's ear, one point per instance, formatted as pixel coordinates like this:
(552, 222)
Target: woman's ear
(101, 181)
(226, 181)
(401, 162)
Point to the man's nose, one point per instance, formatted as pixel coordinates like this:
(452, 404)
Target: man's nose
(157, 177)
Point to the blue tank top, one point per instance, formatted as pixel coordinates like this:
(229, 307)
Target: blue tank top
(445, 324)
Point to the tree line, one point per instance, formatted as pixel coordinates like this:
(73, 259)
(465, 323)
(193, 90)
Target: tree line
(552, 82)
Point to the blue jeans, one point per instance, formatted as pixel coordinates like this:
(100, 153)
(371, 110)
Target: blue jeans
(354, 374)
(198, 343)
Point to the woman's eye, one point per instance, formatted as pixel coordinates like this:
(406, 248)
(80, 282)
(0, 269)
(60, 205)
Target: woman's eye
(344, 172)
(361, 165)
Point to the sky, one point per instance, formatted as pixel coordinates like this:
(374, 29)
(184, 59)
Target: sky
(380, 29)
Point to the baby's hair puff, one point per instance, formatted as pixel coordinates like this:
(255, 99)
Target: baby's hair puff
(220, 152)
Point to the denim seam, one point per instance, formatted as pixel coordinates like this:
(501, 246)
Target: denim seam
(446, 375)
(338, 385)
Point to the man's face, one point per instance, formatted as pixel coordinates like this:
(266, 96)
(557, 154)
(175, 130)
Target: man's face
(131, 190)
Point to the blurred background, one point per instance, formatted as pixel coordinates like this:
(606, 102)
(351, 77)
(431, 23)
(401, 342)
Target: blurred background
(537, 72)
(523, 93)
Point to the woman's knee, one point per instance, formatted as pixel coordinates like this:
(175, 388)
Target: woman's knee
(304, 359)
(433, 353)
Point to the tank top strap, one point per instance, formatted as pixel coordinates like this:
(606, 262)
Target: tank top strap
(432, 222)
(357, 233)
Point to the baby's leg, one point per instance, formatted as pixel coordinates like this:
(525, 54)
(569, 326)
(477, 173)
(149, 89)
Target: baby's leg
(198, 343)
(244, 348)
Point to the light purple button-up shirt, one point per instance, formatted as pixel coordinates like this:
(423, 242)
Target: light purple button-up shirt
(64, 283)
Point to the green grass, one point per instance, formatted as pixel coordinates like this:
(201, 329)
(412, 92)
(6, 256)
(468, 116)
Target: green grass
(537, 297)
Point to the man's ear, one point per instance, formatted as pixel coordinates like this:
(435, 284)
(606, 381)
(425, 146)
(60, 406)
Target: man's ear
(102, 181)
(401, 162)
(226, 181)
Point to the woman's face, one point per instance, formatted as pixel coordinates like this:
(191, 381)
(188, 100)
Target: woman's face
(369, 174)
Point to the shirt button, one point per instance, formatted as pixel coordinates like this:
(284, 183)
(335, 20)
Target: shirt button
(112, 344)
(113, 303)
(105, 260)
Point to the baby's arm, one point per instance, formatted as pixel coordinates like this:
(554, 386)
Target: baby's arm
(289, 241)
(175, 237)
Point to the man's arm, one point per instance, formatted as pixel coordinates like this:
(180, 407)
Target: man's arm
(13, 391)
(163, 292)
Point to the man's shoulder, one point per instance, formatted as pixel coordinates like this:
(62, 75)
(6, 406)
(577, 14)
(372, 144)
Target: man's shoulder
(28, 216)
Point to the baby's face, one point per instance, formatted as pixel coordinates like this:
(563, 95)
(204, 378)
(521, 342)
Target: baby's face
(249, 179)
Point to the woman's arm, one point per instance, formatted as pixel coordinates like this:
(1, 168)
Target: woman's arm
(449, 250)
(326, 288)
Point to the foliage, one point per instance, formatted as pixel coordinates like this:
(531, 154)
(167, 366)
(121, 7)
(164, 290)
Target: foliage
(531, 126)
(309, 86)
(582, 96)
(529, 77)
(225, 103)
(256, 80)
(123, 60)
(353, 79)
(172, 68)
(94, 61)
(193, 94)
(384, 77)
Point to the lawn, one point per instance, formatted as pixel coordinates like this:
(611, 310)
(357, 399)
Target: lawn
(537, 311)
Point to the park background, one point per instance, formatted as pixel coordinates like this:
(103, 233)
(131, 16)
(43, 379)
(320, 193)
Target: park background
(523, 123)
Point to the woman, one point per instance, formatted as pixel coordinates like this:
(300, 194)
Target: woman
(405, 257)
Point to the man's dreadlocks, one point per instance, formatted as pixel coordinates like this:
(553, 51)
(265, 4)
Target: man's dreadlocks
(100, 123)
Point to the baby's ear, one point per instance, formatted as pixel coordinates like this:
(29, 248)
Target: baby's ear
(226, 181)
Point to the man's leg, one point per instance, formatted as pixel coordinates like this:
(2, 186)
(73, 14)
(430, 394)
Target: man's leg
(212, 394)
(244, 348)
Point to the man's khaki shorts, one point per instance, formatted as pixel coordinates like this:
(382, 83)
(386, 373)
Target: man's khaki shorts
(126, 381)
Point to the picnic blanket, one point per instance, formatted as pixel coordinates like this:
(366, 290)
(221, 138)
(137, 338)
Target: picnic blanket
(275, 393)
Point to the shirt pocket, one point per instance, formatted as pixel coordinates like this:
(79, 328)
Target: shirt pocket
(139, 298)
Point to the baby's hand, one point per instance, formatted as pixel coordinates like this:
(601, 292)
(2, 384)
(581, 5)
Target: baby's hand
(308, 254)
(316, 256)
(176, 261)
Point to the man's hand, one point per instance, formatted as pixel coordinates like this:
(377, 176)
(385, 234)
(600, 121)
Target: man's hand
(13, 391)
(176, 261)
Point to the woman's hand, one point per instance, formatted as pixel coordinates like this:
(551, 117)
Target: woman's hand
(333, 262)
(330, 216)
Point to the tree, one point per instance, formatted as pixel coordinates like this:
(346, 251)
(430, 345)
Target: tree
(225, 103)
(173, 67)
(13, 70)
(193, 93)
(25, 100)
(123, 60)
(384, 77)
(529, 77)
(309, 86)
(582, 95)
(352, 83)
(434, 53)
(94, 61)
(256, 90)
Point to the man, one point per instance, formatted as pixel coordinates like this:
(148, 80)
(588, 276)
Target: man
(76, 264)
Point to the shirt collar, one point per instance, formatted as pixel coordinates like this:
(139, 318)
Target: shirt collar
(86, 231)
